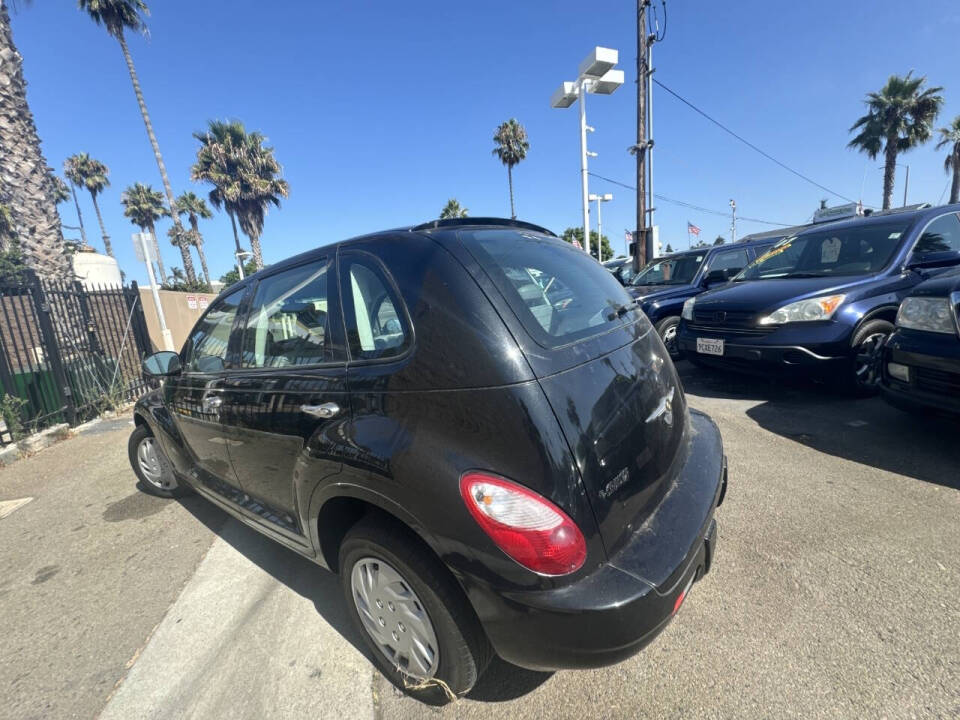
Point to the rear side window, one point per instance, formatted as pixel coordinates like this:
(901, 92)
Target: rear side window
(733, 261)
(558, 293)
(376, 326)
(942, 235)
(288, 322)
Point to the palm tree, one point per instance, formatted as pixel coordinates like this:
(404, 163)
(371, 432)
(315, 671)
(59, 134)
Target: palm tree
(511, 147)
(60, 192)
(950, 137)
(245, 178)
(118, 16)
(144, 206)
(74, 174)
(193, 206)
(25, 185)
(453, 210)
(92, 174)
(899, 117)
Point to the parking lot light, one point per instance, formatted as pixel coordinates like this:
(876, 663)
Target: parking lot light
(596, 75)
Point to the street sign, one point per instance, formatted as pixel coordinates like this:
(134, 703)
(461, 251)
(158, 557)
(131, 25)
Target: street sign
(192, 302)
(138, 246)
(204, 303)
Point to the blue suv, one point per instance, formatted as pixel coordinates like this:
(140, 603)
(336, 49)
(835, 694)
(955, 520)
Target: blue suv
(825, 299)
(663, 285)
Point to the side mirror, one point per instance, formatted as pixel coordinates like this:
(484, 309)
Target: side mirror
(944, 258)
(716, 277)
(161, 364)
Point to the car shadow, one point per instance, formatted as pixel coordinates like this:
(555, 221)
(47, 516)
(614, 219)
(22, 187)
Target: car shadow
(501, 682)
(864, 430)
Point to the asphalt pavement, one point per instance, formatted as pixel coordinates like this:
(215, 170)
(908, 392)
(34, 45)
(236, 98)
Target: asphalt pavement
(833, 594)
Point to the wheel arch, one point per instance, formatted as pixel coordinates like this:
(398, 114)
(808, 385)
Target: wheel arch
(883, 312)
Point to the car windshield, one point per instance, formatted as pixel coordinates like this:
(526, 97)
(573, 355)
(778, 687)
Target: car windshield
(851, 250)
(680, 270)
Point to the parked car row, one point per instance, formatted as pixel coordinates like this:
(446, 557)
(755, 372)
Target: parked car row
(862, 302)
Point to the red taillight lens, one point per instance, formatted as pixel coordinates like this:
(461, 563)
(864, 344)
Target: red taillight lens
(526, 526)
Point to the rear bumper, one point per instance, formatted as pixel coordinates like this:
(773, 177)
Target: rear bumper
(615, 611)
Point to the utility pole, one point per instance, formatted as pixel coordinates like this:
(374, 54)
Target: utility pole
(906, 186)
(733, 221)
(640, 148)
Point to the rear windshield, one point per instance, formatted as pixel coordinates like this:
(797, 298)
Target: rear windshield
(851, 250)
(679, 270)
(558, 293)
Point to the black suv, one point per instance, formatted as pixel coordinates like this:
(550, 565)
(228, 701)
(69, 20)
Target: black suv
(472, 423)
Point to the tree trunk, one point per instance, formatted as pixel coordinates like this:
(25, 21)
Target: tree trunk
(889, 171)
(25, 179)
(198, 244)
(187, 262)
(103, 230)
(83, 233)
(184, 246)
(257, 252)
(513, 213)
(156, 246)
(955, 186)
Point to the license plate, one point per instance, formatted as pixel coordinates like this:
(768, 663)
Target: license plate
(710, 346)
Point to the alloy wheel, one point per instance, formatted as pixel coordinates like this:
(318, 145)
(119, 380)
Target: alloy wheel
(866, 361)
(395, 618)
(670, 340)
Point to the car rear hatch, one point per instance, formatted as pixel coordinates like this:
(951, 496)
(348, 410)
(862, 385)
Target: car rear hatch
(602, 367)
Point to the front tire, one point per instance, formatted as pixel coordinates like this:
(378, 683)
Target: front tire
(667, 329)
(422, 632)
(866, 351)
(151, 465)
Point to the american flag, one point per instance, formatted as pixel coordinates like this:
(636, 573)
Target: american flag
(692, 229)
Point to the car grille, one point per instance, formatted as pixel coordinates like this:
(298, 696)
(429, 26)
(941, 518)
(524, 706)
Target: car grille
(937, 381)
(741, 322)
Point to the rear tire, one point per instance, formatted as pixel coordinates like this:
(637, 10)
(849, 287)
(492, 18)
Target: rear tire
(667, 329)
(866, 352)
(381, 562)
(151, 465)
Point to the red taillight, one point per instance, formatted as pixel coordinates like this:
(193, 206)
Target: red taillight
(527, 527)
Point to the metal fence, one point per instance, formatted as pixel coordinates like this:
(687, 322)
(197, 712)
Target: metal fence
(67, 352)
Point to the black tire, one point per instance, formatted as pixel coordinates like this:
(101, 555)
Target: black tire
(866, 353)
(463, 649)
(162, 481)
(667, 330)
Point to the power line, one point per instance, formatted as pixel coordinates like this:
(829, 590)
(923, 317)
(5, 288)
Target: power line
(686, 204)
(750, 144)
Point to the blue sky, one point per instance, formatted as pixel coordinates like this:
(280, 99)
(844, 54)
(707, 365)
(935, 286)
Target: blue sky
(381, 111)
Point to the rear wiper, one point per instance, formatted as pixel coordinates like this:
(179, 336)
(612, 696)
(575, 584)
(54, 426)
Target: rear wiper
(622, 310)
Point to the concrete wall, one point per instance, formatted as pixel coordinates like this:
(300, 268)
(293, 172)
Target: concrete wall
(181, 311)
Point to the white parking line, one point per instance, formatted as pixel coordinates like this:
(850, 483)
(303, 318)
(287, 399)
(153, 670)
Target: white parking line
(256, 633)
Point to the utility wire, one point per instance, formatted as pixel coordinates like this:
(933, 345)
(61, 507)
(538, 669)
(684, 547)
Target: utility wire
(750, 144)
(691, 205)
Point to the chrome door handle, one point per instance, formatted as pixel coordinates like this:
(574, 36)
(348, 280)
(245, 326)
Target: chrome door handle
(325, 411)
(212, 403)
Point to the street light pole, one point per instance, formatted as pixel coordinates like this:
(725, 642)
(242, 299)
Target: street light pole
(599, 200)
(596, 75)
(584, 188)
(733, 221)
(906, 186)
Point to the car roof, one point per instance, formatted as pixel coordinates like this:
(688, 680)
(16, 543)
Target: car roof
(395, 235)
(710, 248)
(911, 213)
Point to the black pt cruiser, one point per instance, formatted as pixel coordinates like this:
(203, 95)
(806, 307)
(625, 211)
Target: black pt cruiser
(472, 423)
(921, 360)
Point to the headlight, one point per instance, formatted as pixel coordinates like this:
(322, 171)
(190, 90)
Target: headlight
(821, 308)
(687, 312)
(930, 314)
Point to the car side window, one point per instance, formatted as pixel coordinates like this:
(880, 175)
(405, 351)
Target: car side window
(376, 326)
(288, 323)
(942, 235)
(206, 349)
(731, 260)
